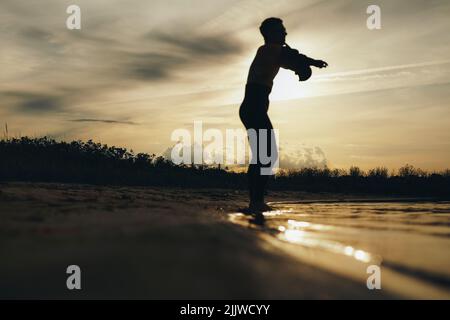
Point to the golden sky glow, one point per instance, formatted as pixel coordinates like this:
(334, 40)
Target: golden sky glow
(139, 69)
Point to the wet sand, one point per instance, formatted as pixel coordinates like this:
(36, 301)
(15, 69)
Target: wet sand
(159, 243)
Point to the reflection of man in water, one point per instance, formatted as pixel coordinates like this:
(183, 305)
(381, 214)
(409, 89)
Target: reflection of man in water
(253, 111)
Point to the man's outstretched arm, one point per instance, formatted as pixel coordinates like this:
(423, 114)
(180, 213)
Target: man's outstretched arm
(291, 57)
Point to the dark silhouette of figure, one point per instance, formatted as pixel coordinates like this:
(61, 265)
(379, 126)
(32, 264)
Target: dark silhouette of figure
(275, 53)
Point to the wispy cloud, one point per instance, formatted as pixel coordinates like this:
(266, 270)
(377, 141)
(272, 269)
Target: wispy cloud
(377, 72)
(104, 121)
(31, 102)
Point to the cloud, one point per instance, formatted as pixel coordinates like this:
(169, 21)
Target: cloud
(30, 102)
(176, 52)
(199, 46)
(104, 121)
(64, 67)
(381, 72)
(149, 66)
(302, 157)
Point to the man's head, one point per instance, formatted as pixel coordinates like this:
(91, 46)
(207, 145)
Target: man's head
(273, 31)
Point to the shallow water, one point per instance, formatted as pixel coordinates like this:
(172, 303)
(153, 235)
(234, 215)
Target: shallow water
(410, 241)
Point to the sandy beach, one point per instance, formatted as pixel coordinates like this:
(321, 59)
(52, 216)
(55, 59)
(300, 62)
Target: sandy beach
(155, 243)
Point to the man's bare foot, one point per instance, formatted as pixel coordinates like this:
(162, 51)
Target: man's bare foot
(258, 219)
(259, 207)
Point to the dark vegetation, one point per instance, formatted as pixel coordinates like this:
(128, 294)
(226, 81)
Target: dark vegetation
(47, 160)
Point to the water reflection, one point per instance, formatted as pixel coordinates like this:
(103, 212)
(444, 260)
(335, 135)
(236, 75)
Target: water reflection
(304, 233)
(307, 234)
(414, 235)
(411, 238)
(277, 212)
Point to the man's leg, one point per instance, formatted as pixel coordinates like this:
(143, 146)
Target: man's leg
(254, 169)
(269, 140)
(253, 181)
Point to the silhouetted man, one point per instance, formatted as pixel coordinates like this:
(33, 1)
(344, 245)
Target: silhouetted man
(275, 53)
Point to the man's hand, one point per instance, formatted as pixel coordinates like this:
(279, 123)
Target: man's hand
(320, 64)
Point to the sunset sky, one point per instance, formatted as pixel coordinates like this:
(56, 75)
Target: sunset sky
(139, 69)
